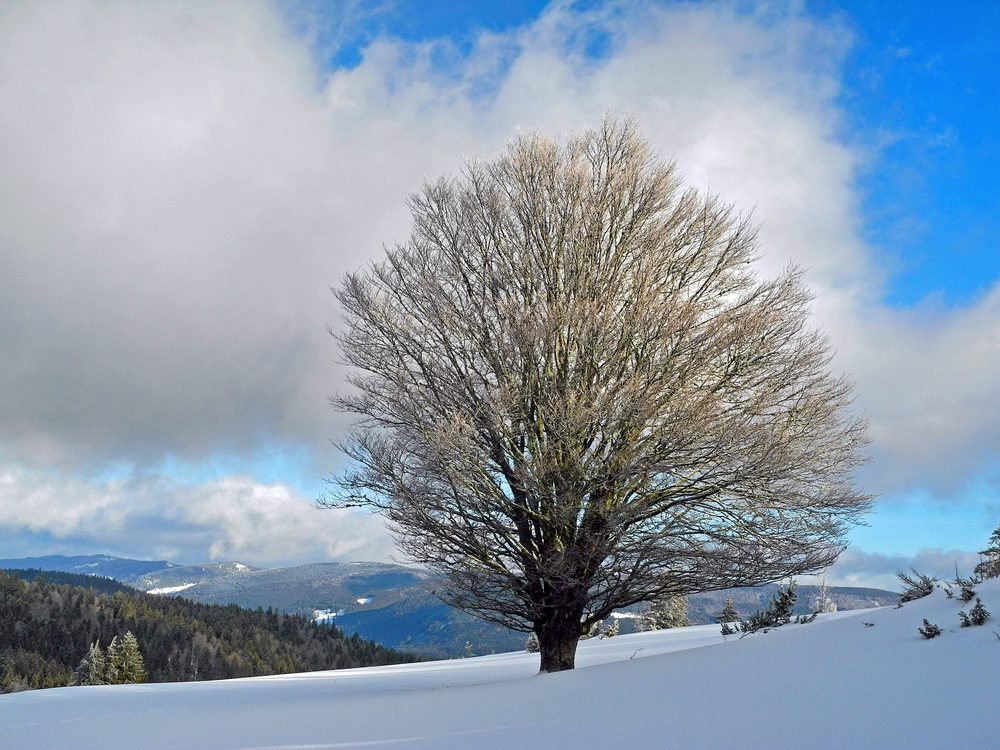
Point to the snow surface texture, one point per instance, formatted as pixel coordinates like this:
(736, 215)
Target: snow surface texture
(834, 683)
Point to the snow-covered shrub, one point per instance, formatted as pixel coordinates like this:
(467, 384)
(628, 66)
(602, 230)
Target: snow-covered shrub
(806, 619)
(531, 645)
(977, 615)
(595, 630)
(965, 590)
(777, 613)
(915, 586)
(756, 622)
(728, 613)
(929, 630)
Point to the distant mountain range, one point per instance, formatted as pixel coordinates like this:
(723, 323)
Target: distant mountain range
(120, 568)
(390, 604)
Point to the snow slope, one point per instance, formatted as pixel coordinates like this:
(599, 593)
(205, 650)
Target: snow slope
(834, 683)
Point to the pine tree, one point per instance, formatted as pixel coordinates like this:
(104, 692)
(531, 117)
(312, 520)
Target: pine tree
(665, 612)
(610, 631)
(782, 604)
(92, 669)
(978, 614)
(115, 663)
(133, 667)
(990, 565)
(728, 613)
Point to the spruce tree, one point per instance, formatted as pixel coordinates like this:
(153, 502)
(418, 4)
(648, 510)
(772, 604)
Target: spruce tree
(990, 565)
(665, 612)
(92, 668)
(610, 631)
(782, 604)
(728, 613)
(978, 614)
(133, 667)
(114, 663)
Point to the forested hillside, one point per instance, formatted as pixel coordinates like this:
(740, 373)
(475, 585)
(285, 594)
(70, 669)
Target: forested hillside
(99, 584)
(47, 628)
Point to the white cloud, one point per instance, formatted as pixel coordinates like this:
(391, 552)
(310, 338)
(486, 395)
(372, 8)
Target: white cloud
(749, 111)
(174, 204)
(928, 381)
(177, 193)
(232, 517)
(857, 568)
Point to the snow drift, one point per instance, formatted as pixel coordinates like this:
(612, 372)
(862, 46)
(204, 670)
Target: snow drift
(834, 683)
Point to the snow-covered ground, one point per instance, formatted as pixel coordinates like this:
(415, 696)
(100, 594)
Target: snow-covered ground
(834, 683)
(172, 589)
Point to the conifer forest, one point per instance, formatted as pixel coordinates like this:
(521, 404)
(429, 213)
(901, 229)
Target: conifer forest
(48, 629)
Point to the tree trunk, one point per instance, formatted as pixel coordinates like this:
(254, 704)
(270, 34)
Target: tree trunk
(557, 640)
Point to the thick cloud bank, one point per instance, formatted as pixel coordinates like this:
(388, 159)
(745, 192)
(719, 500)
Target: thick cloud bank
(180, 185)
(233, 517)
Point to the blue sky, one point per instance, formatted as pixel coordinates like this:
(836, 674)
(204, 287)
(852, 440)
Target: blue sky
(186, 181)
(922, 76)
(919, 88)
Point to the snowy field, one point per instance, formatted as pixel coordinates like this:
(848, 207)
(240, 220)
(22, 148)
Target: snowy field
(834, 683)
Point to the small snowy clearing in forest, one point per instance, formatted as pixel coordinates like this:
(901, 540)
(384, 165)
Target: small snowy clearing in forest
(834, 683)
(172, 589)
(325, 615)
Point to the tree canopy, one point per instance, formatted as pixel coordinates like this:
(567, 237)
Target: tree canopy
(574, 393)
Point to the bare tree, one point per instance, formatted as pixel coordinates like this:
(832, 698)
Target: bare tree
(822, 601)
(574, 394)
